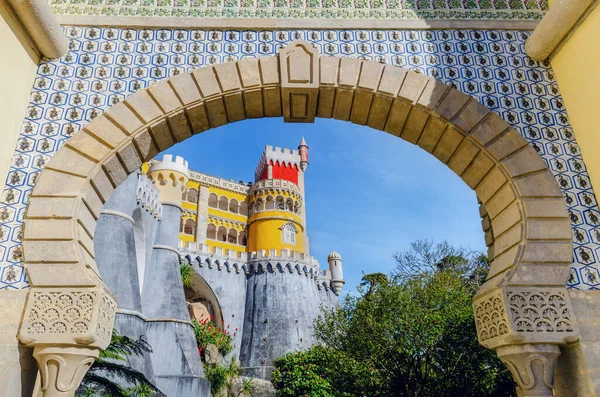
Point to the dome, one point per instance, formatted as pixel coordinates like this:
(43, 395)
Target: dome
(334, 256)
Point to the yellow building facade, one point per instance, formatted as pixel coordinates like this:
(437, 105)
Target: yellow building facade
(263, 218)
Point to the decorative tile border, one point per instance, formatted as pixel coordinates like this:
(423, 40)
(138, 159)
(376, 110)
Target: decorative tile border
(311, 9)
(106, 64)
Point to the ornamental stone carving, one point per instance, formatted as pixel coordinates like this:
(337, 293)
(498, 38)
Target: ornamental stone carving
(525, 315)
(532, 367)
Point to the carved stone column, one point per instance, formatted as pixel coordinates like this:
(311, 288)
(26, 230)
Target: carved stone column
(62, 368)
(67, 326)
(532, 366)
(526, 326)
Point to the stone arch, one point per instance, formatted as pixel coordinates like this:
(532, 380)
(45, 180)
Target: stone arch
(532, 248)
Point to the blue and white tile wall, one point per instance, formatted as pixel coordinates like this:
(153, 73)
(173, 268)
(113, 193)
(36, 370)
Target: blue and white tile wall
(106, 65)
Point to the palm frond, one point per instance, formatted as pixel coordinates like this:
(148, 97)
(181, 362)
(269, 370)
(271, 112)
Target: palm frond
(115, 370)
(100, 383)
(122, 346)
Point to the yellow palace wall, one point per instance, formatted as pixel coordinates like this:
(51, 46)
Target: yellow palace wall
(577, 70)
(18, 70)
(265, 232)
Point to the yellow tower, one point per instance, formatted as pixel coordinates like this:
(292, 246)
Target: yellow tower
(276, 219)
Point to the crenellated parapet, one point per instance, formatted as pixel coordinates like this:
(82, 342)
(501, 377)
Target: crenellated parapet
(148, 196)
(274, 155)
(221, 183)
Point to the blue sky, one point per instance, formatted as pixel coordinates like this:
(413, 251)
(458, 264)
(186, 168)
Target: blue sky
(368, 194)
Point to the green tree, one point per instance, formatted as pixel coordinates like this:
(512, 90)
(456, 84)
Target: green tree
(103, 376)
(416, 327)
(324, 372)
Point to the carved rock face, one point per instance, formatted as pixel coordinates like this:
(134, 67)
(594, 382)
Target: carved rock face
(211, 354)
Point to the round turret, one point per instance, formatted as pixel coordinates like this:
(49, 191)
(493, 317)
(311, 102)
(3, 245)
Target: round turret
(303, 150)
(337, 273)
(170, 176)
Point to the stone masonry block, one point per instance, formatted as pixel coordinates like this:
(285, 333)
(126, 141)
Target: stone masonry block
(510, 216)
(234, 105)
(431, 134)
(447, 144)
(103, 185)
(541, 274)
(328, 71)
(69, 161)
(508, 239)
(508, 143)
(524, 161)
(391, 80)
(471, 115)
(370, 76)
(415, 123)
(50, 251)
(451, 104)
(478, 168)
(129, 158)
(86, 242)
(165, 97)
(185, 88)
(106, 131)
(51, 275)
(432, 94)
(51, 208)
(92, 200)
(545, 207)
(397, 117)
(87, 145)
(144, 106)
(349, 72)
(541, 184)
(489, 129)
(249, 72)
(500, 200)
(504, 261)
(53, 183)
(115, 171)
(216, 112)
(124, 117)
(269, 70)
(380, 108)
(198, 118)
(86, 219)
(228, 76)
(361, 104)
(253, 103)
(343, 104)
(412, 87)
(490, 184)
(272, 101)
(207, 82)
(549, 229)
(145, 145)
(48, 229)
(180, 128)
(162, 135)
(462, 157)
(548, 252)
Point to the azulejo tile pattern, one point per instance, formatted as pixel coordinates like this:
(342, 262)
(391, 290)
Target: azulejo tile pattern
(316, 9)
(106, 65)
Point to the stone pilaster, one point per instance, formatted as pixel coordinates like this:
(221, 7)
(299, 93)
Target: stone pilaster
(202, 214)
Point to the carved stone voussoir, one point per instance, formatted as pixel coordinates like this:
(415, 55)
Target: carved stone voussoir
(68, 316)
(299, 68)
(515, 315)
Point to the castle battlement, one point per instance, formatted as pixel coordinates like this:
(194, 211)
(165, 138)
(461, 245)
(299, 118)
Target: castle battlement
(221, 183)
(170, 163)
(148, 196)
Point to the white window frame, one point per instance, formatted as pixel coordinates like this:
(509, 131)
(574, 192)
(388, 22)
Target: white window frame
(288, 233)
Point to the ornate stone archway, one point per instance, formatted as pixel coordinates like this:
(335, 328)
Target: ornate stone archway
(522, 311)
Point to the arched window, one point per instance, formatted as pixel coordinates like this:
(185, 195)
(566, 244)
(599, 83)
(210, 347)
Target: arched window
(234, 206)
(223, 203)
(296, 208)
(260, 205)
(288, 233)
(252, 209)
(244, 208)
(280, 204)
(190, 227)
(192, 195)
(289, 205)
(232, 236)
(270, 203)
(242, 239)
(222, 234)
(183, 195)
(213, 200)
(211, 232)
